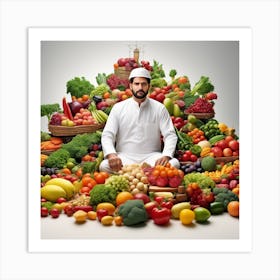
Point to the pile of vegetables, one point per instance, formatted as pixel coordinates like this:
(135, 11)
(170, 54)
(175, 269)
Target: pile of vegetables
(193, 193)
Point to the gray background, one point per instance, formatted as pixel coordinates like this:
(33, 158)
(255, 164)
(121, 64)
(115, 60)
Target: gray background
(61, 61)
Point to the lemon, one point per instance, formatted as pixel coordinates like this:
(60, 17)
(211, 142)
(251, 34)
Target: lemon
(186, 216)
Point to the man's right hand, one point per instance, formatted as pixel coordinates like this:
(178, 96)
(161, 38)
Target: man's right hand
(115, 162)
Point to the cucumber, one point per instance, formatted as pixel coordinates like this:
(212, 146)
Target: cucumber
(216, 138)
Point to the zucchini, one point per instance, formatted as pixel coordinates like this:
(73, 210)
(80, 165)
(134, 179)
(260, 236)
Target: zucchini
(213, 140)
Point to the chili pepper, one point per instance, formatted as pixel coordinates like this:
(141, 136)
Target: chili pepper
(66, 109)
(85, 208)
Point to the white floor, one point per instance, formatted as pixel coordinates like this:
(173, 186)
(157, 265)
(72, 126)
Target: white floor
(218, 227)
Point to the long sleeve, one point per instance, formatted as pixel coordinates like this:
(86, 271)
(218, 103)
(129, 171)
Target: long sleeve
(109, 133)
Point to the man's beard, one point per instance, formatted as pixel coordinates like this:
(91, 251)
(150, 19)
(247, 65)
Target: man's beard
(140, 94)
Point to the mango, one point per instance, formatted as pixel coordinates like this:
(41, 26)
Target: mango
(178, 207)
(168, 103)
(65, 184)
(52, 192)
(177, 111)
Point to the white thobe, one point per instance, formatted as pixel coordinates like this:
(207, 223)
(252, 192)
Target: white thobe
(134, 132)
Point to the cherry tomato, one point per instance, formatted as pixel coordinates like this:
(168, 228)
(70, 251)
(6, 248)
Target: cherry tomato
(69, 210)
(44, 212)
(54, 213)
(61, 199)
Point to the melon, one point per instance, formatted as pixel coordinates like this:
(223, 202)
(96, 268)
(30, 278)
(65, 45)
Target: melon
(208, 163)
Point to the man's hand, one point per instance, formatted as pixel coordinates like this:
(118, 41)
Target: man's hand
(115, 162)
(163, 160)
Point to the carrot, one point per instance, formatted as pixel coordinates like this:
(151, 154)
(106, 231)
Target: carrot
(44, 144)
(56, 140)
(51, 146)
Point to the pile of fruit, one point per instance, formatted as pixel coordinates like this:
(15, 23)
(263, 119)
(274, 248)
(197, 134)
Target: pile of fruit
(206, 184)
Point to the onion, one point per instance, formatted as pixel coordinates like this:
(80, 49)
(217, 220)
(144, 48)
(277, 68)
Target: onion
(75, 106)
(86, 104)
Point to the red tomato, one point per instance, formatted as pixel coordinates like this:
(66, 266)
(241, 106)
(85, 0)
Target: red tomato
(234, 145)
(222, 144)
(193, 158)
(227, 152)
(229, 138)
(218, 152)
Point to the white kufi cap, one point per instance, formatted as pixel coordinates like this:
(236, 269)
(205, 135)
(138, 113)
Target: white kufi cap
(140, 72)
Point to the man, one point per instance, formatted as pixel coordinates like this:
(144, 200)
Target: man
(134, 129)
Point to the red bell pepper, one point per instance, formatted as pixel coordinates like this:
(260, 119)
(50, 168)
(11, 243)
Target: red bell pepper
(161, 216)
(101, 213)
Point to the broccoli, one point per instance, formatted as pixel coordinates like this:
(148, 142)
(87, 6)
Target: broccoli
(49, 109)
(89, 166)
(157, 71)
(203, 86)
(224, 195)
(133, 212)
(102, 193)
(80, 144)
(172, 74)
(78, 87)
(57, 159)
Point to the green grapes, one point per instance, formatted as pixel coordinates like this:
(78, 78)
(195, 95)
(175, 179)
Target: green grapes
(118, 182)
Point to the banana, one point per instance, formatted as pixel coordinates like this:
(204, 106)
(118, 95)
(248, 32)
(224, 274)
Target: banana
(103, 114)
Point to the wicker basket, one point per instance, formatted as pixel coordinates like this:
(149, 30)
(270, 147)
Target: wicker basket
(122, 73)
(204, 116)
(226, 159)
(47, 152)
(59, 130)
(218, 160)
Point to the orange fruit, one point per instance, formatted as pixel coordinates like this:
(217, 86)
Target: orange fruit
(233, 208)
(122, 197)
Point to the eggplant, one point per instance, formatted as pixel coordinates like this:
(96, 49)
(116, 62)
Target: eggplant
(97, 99)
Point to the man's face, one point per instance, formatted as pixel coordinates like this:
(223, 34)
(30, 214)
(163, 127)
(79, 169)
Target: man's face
(139, 87)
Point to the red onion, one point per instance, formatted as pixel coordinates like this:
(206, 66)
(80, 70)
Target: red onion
(75, 106)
